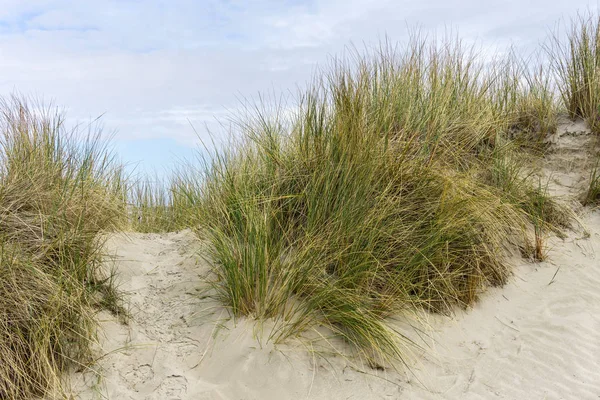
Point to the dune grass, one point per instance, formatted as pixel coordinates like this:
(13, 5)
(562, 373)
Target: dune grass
(59, 191)
(158, 205)
(394, 185)
(592, 195)
(152, 207)
(575, 61)
(399, 182)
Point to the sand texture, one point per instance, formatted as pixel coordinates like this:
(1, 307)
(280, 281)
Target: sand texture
(538, 337)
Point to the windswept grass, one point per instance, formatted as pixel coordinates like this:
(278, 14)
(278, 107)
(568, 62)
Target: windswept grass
(398, 183)
(393, 186)
(576, 61)
(59, 191)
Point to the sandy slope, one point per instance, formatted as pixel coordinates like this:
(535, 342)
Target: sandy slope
(536, 338)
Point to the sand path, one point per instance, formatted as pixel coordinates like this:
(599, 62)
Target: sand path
(179, 344)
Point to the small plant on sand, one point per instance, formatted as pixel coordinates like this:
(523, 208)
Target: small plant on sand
(538, 200)
(509, 171)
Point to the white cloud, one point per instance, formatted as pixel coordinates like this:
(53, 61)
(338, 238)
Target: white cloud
(154, 66)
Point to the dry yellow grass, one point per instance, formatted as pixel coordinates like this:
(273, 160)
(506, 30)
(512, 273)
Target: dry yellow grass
(58, 192)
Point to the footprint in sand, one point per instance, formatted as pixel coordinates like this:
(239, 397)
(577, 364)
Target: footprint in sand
(137, 376)
(171, 388)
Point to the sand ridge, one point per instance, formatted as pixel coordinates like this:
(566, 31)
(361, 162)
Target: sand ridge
(538, 337)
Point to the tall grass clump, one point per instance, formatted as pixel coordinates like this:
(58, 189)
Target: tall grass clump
(59, 191)
(378, 195)
(576, 62)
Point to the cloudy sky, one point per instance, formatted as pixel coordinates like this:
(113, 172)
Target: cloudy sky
(154, 69)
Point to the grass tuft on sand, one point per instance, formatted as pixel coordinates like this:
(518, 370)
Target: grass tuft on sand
(397, 183)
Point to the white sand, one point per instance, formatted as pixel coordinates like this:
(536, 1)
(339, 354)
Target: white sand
(536, 338)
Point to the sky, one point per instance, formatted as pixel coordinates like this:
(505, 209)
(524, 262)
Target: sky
(164, 75)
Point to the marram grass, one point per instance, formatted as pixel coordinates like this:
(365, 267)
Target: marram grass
(398, 183)
(575, 60)
(152, 208)
(592, 194)
(58, 192)
(395, 185)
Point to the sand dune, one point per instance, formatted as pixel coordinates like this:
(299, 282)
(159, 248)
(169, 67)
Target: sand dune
(536, 338)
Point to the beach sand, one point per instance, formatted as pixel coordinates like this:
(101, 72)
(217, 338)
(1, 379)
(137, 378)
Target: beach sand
(538, 337)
